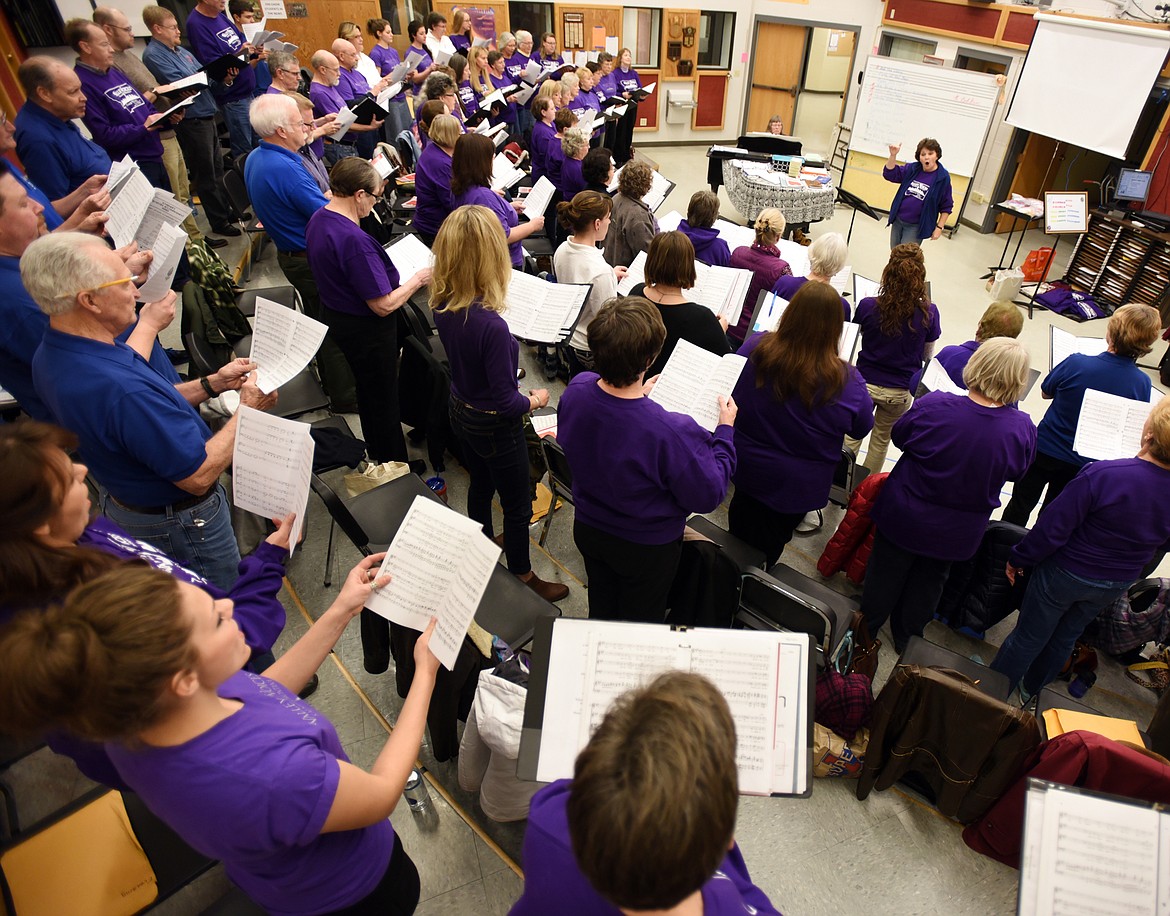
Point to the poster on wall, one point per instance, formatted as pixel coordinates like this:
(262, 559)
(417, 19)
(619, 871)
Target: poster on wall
(483, 25)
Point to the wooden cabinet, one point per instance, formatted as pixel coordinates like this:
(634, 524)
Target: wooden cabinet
(1117, 262)
(710, 99)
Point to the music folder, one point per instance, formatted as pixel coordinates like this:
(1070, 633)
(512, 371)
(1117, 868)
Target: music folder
(218, 68)
(579, 667)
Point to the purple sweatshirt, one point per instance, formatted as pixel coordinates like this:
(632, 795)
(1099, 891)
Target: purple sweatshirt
(709, 248)
(486, 197)
(515, 66)
(116, 115)
(212, 38)
(542, 135)
(890, 360)
(956, 456)
(572, 179)
(432, 187)
(767, 268)
(786, 453)
(553, 882)
(484, 357)
(1106, 524)
(638, 469)
(954, 360)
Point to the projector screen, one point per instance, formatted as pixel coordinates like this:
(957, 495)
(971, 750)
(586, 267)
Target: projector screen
(1086, 82)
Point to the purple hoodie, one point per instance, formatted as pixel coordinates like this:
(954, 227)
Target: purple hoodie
(709, 248)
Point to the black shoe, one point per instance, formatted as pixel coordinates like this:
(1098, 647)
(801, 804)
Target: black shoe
(226, 230)
(418, 466)
(215, 243)
(310, 688)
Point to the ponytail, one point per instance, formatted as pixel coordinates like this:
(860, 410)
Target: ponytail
(585, 208)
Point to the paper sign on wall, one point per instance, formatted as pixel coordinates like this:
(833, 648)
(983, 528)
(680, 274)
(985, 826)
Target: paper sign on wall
(273, 9)
(598, 40)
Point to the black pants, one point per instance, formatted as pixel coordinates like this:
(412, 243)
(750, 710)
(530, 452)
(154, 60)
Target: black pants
(761, 526)
(627, 581)
(370, 346)
(903, 587)
(624, 134)
(331, 364)
(396, 894)
(1045, 471)
(200, 145)
(495, 454)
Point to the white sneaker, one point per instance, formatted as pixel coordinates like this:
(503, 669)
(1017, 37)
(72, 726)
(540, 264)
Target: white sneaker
(811, 522)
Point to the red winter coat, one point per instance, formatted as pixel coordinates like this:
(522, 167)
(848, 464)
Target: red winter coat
(850, 546)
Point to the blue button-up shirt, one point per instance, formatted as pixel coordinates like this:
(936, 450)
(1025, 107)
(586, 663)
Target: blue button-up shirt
(169, 66)
(57, 156)
(283, 193)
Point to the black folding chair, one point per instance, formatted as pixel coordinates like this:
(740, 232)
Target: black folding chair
(560, 480)
(285, 295)
(300, 395)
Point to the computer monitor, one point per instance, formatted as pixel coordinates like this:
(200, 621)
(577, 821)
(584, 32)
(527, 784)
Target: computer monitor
(1133, 184)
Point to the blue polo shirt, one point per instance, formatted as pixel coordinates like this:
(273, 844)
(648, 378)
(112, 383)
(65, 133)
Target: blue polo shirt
(57, 156)
(283, 193)
(169, 66)
(53, 219)
(22, 325)
(136, 432)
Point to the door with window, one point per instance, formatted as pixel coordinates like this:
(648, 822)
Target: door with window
(777, 65)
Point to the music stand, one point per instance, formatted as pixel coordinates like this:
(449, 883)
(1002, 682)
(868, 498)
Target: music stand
(857, 204)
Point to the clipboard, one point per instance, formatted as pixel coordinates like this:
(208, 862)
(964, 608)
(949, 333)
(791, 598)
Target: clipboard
(367, 109)
(536, 704)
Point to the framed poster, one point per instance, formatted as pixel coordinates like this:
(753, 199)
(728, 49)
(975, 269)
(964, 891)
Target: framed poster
(574, 28)
(1066, 212)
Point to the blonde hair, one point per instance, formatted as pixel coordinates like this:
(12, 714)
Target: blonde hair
(477, 75)
(444, 130)
(582, 72)
(998, 370)
(471, 262)
(548, 89)
(770, 224)
(1158, 427)
(1132, 330)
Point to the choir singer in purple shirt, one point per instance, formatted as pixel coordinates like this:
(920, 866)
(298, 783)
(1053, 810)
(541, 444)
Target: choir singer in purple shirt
(957, 453)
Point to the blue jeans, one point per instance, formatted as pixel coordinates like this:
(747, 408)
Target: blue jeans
(200, 537)
(901, 232)
(1056, 609)
(243, 139)
(524, 123)
(335, 152)
(495, 454)
(397, 121)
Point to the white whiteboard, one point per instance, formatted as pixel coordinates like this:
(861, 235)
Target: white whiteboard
(83, 9)
(902, 102)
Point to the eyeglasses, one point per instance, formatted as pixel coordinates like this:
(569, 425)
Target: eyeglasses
(107, 285)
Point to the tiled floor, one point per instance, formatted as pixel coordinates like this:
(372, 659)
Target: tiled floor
(889, 854)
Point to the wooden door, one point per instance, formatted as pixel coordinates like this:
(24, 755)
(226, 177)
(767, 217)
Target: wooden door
(319, 29)
(777, 67)
(1034, 163)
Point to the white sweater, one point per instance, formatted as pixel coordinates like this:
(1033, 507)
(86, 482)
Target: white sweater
(576, 263)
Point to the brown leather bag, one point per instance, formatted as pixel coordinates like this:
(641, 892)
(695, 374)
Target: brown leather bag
(865, 649)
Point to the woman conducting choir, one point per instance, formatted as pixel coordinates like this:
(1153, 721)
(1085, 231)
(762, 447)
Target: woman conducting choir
(638, 469)
(797, 398)
(468, 291)
(923, 202)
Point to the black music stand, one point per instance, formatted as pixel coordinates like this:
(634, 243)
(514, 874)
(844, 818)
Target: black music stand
(856, 203)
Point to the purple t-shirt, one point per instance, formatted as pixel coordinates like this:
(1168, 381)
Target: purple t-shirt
(486, 197)
(956, 456)
(211, 38)
(627, 80)
(891, 360)
(554, 159)
(786, 453)
(606, 87)
(1106, 524)
(484, 357)
(515, 66)
(508, 113)
(218, 791)
(327, 100)
(426, 61)
(543, 135)
(349, 266)
(787, 286)
(432, 187)
(572, 179)
(553, 882)
(351, 84)
(642, 484)
(709, 248)
(116, 114)
(954, 360)
(911, 209)
(387, 59)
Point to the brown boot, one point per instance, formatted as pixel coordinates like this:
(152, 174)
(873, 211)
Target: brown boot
(549, 591)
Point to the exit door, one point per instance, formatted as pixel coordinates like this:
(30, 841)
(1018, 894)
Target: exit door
(777, 67)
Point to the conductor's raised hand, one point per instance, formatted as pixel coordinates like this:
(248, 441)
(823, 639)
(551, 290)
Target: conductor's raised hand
(894, 150)
(727, 411)
(361, 581)
(425, 662)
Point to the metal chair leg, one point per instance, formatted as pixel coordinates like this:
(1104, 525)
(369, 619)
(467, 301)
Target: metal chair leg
(552, 505)
(329, 557)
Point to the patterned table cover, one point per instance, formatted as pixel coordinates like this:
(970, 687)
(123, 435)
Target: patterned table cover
(750, 195)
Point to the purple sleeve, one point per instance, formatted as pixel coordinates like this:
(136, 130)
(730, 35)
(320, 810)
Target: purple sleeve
(935, 330)
(706, 470)
(737, 871)
(946, 198)
(257, 608)
(844, 306)
(300, 804)
(501, 371)
(365, 268)
(863, 418)
(896, 174)
(911, 422)
(1056, 523)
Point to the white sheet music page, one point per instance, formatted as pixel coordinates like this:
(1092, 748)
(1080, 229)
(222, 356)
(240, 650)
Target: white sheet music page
(272, 464)
(562, 304)
(125, 212)
(850, 333)
(345, 118)
(283, 343)
(525, 293)
(770, 314)
(796, 255)
(1098, 856)
(440, 563)
(669, 222)
(123, 168)
(660, 187)
(1062, 345)
(734, 235)
(168, 248)
(164, 208)
(935, 378)
(537, 201)
(635, 274)
(1109, 426)
(864, 288)
(692, 381)
(409, 255)
(840, 280)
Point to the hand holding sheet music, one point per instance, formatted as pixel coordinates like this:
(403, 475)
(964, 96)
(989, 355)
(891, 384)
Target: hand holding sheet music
(439, 563)
(345, 119)
(283, 343)
(537, 201)
(693, 381)
(1109, 426)
(195, 80)
(409, 255)
(272, 465)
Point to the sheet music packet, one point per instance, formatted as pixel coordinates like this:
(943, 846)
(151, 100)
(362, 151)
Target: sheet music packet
(721, 289)
(1109, 426)
(840, 280)
(669, 222)
(635, 274)
(168, 248)
(768, 313)
(440, 563)
(409, 255)
(734, 235)
(764, 677)
(345, 119)
(504, 174)
(694, 379)
(1062, 345)
(1088, 852)
(864, 288)
(195, 80)
(660, 188)
(283, 343)
(541, 311)
(272, 465)
(935, 378)
(538, 199)
(139, 209)
(190, 100)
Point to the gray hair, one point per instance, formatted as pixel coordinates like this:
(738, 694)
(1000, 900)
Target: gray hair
(505, 38)
(57, 267)
(523, 35)
(39, 72)
(573, 142)
(268, 113)
(280, 60)
(827, 254)
(438, 85)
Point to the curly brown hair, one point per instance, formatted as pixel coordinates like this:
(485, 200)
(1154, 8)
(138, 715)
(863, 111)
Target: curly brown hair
(903, 289)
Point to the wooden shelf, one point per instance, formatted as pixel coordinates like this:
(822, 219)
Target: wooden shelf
(1117, 262)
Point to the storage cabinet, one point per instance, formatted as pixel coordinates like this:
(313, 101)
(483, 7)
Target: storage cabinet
(1117, 262)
